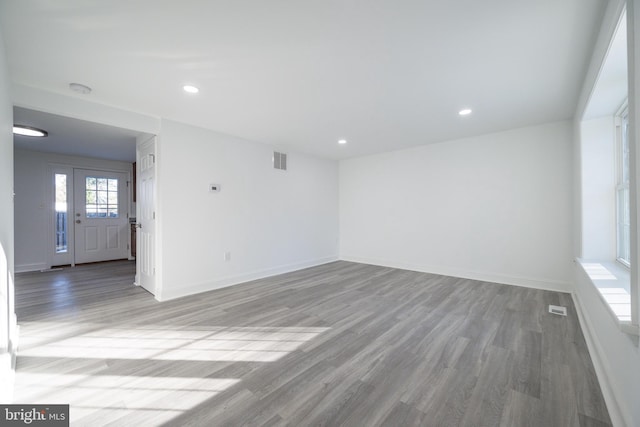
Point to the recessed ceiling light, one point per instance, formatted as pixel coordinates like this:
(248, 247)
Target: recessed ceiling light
(465, 112)
(29, 131)
(80, 88)
(190, 89)
(342, 141)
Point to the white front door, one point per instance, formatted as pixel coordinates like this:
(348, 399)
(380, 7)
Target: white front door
(146, 215)
(100, 216)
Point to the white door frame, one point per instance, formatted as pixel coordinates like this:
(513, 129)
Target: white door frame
(146, 273)
(68, 168)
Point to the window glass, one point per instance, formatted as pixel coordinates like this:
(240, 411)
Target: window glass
(101, 199)
(61, 212)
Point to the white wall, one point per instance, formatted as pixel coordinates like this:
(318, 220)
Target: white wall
(495, 207)
(615, 354)
(598, 188)
(83, 109)
(34, 202)
(271, 221)
(8, 331)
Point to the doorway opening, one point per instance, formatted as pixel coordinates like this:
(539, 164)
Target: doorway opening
(75, 197)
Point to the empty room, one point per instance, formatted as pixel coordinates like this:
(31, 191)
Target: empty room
(336, 213)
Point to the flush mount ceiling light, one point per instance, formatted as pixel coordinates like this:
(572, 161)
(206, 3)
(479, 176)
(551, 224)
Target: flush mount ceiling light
(465, 111)
(342, 141)
(190, 89)
(80, 88)
(29, 131)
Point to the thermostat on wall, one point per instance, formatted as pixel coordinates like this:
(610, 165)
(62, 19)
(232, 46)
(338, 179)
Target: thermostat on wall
(214, 188)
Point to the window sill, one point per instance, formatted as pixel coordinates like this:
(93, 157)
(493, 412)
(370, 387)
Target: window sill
(612, 281)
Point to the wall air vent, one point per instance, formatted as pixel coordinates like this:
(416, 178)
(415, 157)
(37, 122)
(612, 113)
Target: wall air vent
(556, 309)
(279, 160)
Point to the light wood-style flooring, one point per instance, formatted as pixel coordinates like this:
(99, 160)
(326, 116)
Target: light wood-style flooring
(342, 344)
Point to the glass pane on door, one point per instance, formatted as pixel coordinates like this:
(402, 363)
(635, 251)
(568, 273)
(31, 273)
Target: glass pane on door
(61, 228)
(101, 197)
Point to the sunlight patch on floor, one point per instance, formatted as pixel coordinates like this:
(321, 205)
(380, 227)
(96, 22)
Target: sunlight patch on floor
(238, 344)
(168, 396)
(81, 370)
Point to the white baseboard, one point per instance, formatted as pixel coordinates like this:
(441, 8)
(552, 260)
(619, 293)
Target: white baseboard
(234, 280)
(600, 364)
(527, 282)
(24, 268)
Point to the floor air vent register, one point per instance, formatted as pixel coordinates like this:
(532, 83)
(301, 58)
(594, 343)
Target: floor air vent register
(556, 309)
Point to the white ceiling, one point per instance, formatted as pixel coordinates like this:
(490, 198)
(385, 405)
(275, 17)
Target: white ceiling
(384, 74)
(72, 136)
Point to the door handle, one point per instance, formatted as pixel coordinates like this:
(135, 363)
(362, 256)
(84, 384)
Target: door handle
(78, 221)
(138, 225)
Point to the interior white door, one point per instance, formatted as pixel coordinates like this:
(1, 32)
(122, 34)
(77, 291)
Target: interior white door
(146, 215)
(100, 215)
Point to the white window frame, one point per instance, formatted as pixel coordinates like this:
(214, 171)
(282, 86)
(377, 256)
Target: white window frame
(623, 214)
